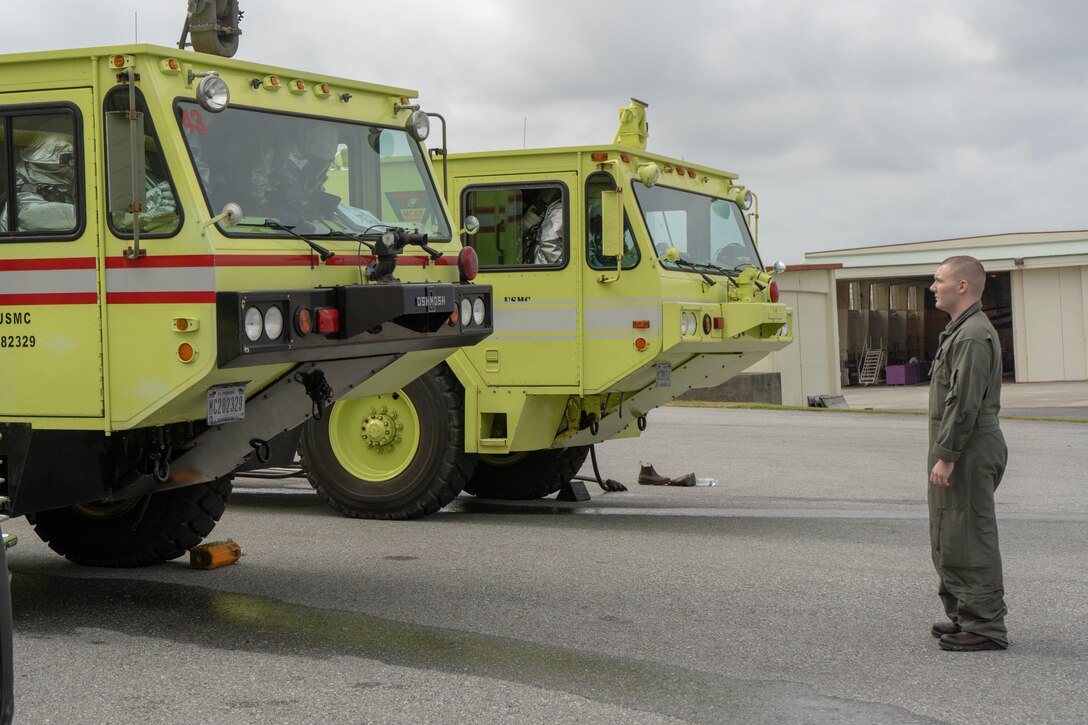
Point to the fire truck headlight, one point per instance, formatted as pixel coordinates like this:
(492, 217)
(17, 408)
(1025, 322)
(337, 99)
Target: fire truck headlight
(273, 323)
(212, 93)
(419, 125)
(254, 324)
(478, 310)
(689, 324)
(466, 311)
(743, 197)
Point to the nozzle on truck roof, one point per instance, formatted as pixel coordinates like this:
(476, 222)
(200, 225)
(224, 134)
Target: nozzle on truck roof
(213, 27)
(634, 129)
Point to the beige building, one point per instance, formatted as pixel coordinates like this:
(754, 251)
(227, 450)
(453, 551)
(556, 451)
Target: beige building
(1036, 295)
(810, 365)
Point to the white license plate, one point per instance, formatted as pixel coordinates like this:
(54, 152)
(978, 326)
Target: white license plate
(664, 375)
(226, 403)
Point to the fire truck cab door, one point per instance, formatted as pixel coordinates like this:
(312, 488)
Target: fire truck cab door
(531, 258)
(50, 256)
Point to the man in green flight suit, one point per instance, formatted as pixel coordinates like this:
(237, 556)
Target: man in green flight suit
(967, 458)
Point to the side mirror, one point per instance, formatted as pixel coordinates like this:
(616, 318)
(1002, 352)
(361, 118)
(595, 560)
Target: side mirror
(126, 175)
(611, 216)
(472, 225)
(672, 254)
(232, 212)
(125, 162)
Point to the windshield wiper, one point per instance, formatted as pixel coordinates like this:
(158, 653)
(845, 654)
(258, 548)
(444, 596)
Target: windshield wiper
(681, 262)
(325, 254)
(722, 270)
(699, 269)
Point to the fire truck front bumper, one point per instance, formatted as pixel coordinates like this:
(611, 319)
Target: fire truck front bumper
(269, 327)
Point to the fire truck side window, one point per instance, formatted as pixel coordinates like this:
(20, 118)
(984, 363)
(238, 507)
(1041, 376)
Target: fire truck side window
(39, 166)
(594, 186)
(160, 216)
(520, 225)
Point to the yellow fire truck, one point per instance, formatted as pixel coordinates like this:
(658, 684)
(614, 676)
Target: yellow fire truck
(622, 279)
(197, 255)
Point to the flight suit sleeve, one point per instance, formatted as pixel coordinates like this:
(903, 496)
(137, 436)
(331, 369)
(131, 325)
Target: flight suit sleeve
(970, 366)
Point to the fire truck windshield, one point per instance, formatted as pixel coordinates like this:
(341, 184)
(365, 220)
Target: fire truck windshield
(315, 175)
(708, 231)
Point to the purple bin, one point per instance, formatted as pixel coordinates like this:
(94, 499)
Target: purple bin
(901, 374)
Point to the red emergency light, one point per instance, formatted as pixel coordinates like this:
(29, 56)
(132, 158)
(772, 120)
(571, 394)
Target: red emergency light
(468, 264)
(328, 320)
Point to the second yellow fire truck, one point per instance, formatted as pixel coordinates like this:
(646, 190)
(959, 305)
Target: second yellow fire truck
(622, 279)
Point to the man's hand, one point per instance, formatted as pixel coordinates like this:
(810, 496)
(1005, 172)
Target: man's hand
(941, 473)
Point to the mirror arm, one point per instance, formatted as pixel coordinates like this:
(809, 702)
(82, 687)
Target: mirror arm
(605, 279)
(134, 252)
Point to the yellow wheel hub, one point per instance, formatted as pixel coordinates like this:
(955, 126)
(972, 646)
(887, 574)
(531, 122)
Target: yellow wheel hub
(375, 438)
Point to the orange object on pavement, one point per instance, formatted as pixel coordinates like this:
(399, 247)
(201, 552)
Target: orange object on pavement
(214, 554)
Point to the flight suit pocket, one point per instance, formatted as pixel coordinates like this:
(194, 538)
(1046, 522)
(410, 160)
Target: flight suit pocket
(950, 396)
(952, 538)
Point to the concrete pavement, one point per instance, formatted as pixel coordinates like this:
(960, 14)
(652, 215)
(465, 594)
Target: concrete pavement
(797, 590)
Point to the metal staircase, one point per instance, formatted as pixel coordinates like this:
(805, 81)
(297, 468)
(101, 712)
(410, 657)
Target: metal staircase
(873, 360)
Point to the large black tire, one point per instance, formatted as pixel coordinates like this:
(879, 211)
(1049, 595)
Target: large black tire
(393, 456)
(526, 475)
(137, 531)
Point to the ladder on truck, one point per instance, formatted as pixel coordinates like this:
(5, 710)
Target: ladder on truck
(873, 360)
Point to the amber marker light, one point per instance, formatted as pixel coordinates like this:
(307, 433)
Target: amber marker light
(706, 324)
(181, 324)
(625, 158)
(640, 324)
(304, 321)
(640, 344)
(455, 317)
(186, 352)
(598, 157)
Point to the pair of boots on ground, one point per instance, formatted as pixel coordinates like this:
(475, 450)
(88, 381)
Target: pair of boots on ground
(647, 476)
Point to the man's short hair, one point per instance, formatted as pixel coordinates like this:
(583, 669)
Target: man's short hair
(967, 268)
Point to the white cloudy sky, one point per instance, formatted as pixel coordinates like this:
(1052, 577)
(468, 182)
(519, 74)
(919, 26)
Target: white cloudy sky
(856, 121)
